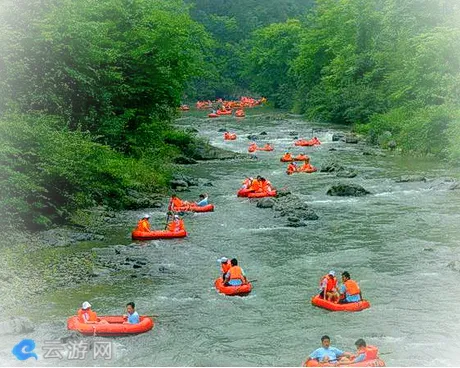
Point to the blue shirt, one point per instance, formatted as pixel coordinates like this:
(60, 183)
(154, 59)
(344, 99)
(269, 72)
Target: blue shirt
(133, 318)
(203, 202)
(332, 353)
(349, 298)
(360, 358)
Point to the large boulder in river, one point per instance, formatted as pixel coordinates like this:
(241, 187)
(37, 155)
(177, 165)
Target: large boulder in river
(253, 137)
(338, 137)
(294, 209)
(331, 165)
(16, 325)
(410, 178)
(346, 173)
(343, 190)
(351, 139)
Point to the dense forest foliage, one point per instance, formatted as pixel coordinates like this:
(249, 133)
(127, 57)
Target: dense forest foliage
(88, 89)
(390, 67)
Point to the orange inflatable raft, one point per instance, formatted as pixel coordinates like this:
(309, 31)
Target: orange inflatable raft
(301, 158)
(240, 114)
(372, 361)
(241, 290)
(224, 112)
(114, 327)
(195, 208)
(308, 169)
(229, 136)
(304, 142)
(213, 115)
(284, 159)
(261, 194)
(335, 307)
(243, 192)
(157, 234)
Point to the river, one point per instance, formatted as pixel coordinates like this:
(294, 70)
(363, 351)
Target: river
(396, 242)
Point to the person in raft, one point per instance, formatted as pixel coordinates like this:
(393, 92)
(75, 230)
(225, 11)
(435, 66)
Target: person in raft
(176, 225)
(327, 353)
(287, 156)
(265, 185)
(328, 287)
(203, 200)
(362, 353)
(225, 266)
(349, 291)
(247, 182)
(176, 202)
(85, 314)
(132, 317)
(143, 224)
(292, 168)
(235, 275)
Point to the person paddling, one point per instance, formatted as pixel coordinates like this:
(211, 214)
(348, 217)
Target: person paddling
(225, 266)
(132, 317)
(328, 287)
(203, 200)
(176, 225)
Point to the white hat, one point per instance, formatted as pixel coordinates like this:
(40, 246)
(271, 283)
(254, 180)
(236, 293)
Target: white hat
(176, 216)
(222, 260)
(332, 273)
(146, 216)
(86, 305)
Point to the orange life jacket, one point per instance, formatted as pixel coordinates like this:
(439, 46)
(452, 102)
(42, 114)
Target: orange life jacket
(236, 273)
(351, 287)
(370, 352)
(331, 283)
(176, 202)
(86, 316)
(255, 185)
(143, 225)
(176, 225)
(266, 186)
(305, 166)
(291, 168)
(225, 267)
(287, 156)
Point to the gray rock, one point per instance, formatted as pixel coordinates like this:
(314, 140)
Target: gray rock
(263, 133)
(372, 152)
(191, 130)
(16, 325)
(330, 166)
(293, 133)
(410, 178)
(206, 152)
(253, 137)
(454, 186)
(223, 130)
(454, 265)
(346, 173)
(342, 190)
(338, 137)
(183, 160)
(265, 202)
(283, 193)
(352, 139)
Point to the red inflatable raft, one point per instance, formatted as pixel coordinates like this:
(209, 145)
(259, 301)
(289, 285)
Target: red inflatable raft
(348, 307)
(283, 159)
(195, 208)
(241, 290)
(243, 192)
(309, 169)
(301, 158)
(262, 194)
(304, 142)
(224, 112)
(229, 136)
(114, 327)
(372, 361)
(157, 234)
(213, 115)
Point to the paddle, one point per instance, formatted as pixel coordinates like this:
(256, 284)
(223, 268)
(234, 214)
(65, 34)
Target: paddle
(167, 219)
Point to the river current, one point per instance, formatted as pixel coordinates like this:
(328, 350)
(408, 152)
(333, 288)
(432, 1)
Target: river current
(396, 242)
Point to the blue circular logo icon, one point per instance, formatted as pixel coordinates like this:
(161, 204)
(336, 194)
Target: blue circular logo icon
(24, 350)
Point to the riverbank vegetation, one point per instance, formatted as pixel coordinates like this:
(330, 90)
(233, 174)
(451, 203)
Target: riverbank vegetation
(88, 89)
